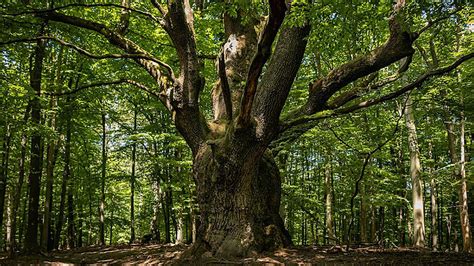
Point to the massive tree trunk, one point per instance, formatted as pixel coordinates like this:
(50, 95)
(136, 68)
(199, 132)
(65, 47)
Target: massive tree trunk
(238, 184)
(417, 186)
(239, 201)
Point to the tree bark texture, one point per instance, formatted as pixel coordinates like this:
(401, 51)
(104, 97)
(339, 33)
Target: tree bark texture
(239, 204)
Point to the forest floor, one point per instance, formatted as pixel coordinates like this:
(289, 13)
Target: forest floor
(155, 254)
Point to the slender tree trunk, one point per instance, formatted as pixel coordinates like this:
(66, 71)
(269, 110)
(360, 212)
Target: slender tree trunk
(102, 185)
(463, 199)
(24, 222)
(434, 204)
(51, 152)
(111, 225)
(155, 224)
(417, 187)
(4, 171)
(51, 155)
(80, 224)
(329, 204)
(179, 228)
(71, 234)
(34, 178)
(363, 214)
(459, 173)
(8, 228)
(132, 181)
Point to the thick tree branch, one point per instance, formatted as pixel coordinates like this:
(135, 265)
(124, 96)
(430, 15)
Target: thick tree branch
(397, 46)
(364, 104)
(292, 130)
(189, 120)
(276, 16)
(114, 38)
(278, 79)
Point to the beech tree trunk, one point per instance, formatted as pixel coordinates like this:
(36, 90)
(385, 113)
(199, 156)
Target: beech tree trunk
(102, 184)
(463, 200)
(34, 178)
(51, 155)
(132, 181)
(434, 203)
(459, 173)
(417, 186)
(329, 212)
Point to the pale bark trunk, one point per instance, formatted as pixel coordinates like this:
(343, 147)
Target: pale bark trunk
(463, 199)
(434, 204)
(132, 181)
(102, 184)
(329, 204)
(179, 228)
(459, 173)
(417, 187)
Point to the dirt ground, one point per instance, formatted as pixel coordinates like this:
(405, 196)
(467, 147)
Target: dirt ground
(156, 254)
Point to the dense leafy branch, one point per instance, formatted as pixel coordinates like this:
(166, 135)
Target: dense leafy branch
(92, 55)
(293, 129)
(108, 83)
(68, 6)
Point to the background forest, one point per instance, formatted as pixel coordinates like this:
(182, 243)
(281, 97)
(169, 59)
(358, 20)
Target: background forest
(114, 170)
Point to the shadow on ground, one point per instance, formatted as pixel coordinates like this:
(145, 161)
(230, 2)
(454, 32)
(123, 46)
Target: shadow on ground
(157, 254)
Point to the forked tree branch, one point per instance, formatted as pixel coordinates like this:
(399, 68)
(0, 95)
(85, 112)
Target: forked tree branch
(292, 130)
(276, 16)
(113, 37)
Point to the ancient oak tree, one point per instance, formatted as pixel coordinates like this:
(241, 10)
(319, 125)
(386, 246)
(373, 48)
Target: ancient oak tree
(237, 180)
